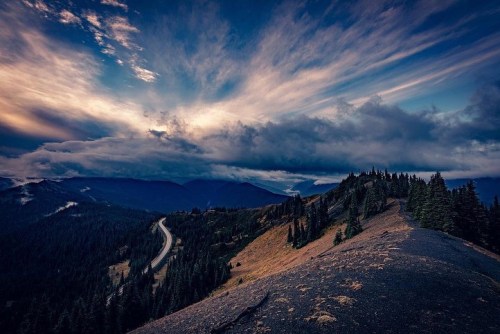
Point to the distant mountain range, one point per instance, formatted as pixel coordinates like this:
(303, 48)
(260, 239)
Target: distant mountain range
(162, 196)
(166, 196)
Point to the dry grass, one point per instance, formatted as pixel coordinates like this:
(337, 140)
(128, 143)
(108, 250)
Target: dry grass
(270, 253)
(322, 317)
(115, 271)
(159, 276)
(344, 300)
(352, 285)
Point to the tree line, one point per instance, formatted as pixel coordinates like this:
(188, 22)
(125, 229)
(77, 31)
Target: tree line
(356, 197)
(457, 212)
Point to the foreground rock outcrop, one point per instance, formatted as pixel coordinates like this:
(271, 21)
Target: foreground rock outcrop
(393, 277)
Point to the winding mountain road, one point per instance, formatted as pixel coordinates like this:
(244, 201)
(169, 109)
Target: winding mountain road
(157, 260)
(166, 248)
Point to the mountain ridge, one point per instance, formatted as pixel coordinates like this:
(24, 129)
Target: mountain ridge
(393, 276)
(161, 196)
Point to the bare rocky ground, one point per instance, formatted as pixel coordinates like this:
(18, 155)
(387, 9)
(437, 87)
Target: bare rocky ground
(392, 278)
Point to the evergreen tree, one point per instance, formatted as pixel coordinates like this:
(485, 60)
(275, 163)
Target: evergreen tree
(312, 223)
(298, 207)
(477, 218)
(338, 238)
(404, 184)
(133, 313)
(353, 225)
(387, 176)
(290, 234)
(95, 316)
(296, 232)
(417, 197)
(303, 235)
(369, 203)
(323, 213)
(113, 316)
(78, 316)
(436, 211)
(494, 226)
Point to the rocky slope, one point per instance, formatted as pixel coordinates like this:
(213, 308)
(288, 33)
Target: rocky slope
(393, 278)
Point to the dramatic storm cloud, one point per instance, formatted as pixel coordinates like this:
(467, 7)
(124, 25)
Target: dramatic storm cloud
(248, 90)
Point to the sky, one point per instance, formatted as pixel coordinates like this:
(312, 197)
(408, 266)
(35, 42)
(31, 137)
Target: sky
(266, 91)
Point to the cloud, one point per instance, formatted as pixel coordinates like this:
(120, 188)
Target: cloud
(310, 92)
(50, 90)
(302, 62)
(194, 45)
(115, 35)
(93, 19)
(115, 3)
(68, 17)
(144, 74)
(290, 150)
(480, 120)
(39, 5)
(120, 30)
(111, 157)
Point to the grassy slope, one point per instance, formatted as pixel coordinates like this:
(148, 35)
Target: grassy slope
(270, 254)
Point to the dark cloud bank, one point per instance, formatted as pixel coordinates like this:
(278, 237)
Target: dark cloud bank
(464, 143)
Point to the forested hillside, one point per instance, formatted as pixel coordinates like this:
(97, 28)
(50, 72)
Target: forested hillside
(356, 197)
(25, 205)
(458, 212)
(55, 270)
(209, 239)
(56, 262)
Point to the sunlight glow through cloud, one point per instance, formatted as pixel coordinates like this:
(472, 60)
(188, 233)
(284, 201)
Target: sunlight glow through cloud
(194, 81)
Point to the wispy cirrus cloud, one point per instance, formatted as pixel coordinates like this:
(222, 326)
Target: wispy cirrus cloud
(115, 35)
(303, 66)
(51, 90)
(115, 3)
(67, 17)
(303, 62)
(93, 18)
(38, 5)
(120, 30)
(144, 74)
(195, 46)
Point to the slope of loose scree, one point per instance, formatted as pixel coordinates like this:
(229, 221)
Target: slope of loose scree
(391, 278)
